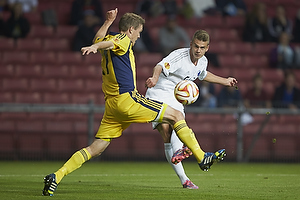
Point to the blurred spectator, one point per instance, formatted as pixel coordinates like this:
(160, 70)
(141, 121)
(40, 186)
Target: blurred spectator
(256, 25)
(17, 26)
(207, 97)
(149, 8)
(232, 7)
(27, 5)
(80, 6)
(229, 97)
(170, 7)
(282, 56)
(145, 43)
(287, 95)
(3, 6)
(201, 7)
(172, 36)
(86, 31)
(257, 96)
(297, 28)
(279, 23)
(154, 8)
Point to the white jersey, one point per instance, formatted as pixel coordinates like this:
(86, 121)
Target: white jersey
(177, 66)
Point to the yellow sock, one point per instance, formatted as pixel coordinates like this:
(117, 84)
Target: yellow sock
(187, 136)
(77, 159)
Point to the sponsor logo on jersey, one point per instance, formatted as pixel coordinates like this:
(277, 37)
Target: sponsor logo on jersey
(167, 65)
(117, 40)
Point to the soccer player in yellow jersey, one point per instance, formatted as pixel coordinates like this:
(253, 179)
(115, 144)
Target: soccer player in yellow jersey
(123, 104)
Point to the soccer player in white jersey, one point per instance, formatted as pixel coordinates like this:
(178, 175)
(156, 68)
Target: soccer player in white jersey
(181, 64)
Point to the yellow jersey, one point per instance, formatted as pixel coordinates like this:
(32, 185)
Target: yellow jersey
(118, 65)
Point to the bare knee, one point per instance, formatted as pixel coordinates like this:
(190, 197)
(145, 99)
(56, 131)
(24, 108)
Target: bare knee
(97, 147)
(165, 130)
(172, 116)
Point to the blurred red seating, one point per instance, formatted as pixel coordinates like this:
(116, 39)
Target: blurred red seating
(15, 57)
(69, 58)
(29, 44)
(219, 47)
(256, 61)
(56, 98)
(93, 85)
(63, 11)
(46, 57)
(41, 31)
(272, 75)
(55, 71)
(22, 97)
(70, 85)
(61, 126)
(7, 142)
(231, 61)
(235, 22)
(243, 74)
(57, 44)
(225, 34)
(211, 21)
(65, 31)
(34, 18)
(148, 59)
(82, 71)
(28, 71)
(43, 85)
(244, 48)
(144, 72)
(30, 126)
(6, 97)
(92, 59)
(15, 84)
(7, 70)
(7, 44)
(84, 98)
(262, 48)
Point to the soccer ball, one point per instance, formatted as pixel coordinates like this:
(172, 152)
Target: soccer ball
(186, 92)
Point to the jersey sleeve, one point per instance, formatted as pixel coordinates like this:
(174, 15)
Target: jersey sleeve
(121, 43)
(168, 64)
(203, 73)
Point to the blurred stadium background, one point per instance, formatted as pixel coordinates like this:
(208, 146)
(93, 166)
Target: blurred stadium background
(46, 88)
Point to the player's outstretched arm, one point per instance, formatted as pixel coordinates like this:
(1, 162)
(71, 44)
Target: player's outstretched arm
(151, 81)
(104, 45)
(212, 78)
(110, 18)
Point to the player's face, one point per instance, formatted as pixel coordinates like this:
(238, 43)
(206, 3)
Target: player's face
(135, 34)
(198, 48)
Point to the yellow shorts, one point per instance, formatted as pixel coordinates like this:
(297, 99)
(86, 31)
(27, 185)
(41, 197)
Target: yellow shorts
(127, 108)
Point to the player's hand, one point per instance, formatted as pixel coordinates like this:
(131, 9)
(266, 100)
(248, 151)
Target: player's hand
(111, 15)
(231, 81)
(88, 50)
(151, 82)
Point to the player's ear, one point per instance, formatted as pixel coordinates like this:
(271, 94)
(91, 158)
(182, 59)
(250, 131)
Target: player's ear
(131, 29)
(207, 48)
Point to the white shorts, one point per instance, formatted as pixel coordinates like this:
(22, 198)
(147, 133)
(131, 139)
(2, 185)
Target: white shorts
(166, 97)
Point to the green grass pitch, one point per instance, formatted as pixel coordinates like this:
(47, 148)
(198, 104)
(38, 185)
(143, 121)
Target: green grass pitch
(152, 180)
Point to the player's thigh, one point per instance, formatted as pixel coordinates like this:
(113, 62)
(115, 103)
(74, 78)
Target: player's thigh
(135, 108)
(172, 115)
(111, 129)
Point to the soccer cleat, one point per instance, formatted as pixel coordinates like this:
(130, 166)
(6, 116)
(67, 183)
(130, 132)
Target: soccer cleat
(211, 158)
(181, 154)
(50, 185)
(189, 185)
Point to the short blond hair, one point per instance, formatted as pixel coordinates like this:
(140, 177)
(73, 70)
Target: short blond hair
(201, 35)
(130, 20)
